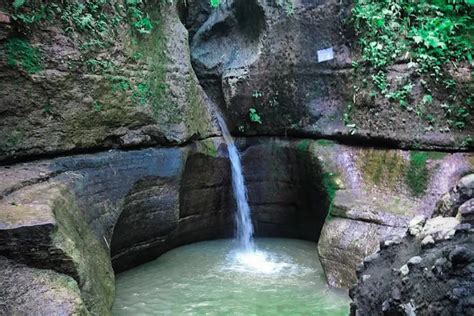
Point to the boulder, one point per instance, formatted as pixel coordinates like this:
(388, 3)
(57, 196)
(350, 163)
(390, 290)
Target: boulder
(466, 212)
(343, 245)
(450, 202)
(30, 291)
(439, 228)
(407, 279)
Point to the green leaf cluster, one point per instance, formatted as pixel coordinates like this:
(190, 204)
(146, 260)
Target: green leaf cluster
(21, 54)
(430, 35)
(214, 3)
(96, 17)
(254, 116)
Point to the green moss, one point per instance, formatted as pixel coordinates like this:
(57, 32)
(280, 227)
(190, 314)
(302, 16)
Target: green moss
(330, 185)
(303, 145)
(89, 126)
(209, 147)
(152, 48)
(325, 143)
(435, 155)
(21, 54)
(417, 174)
(12, 140)
(91, 258)
(382, 167)
(197, 119)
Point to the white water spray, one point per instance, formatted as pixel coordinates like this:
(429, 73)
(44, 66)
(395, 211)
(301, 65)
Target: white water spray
(247, 258)
(242, 216)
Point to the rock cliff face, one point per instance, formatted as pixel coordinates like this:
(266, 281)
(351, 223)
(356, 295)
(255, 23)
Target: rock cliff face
(263, 55)
(67, 87)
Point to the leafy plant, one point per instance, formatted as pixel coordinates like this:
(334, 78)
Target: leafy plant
(430, 34)
(18, 3)
(141, 93)
(257, 94)
(21, 54)
(254, 116)
(97, 106)
(214, 3)
(466, 142)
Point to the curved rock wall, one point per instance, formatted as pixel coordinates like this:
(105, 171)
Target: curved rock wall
(79, 215)
(285, 190)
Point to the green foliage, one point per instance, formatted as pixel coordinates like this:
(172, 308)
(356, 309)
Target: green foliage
(287, 5)
(254, 116)
(214, 3)
(139, 19)
(121, 85)
(96, 17)
(431, 34)
(18, 3)
(417, 174)
(324, 143)
(21, 54)
(97, 106)
(304, 145)
(466, 142)
(142, 93)
(434, 32)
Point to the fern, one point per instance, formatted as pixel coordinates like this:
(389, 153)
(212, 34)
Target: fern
(18, 3)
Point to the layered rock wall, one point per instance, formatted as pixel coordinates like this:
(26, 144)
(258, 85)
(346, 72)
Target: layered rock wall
(66, 87)
(80, 215)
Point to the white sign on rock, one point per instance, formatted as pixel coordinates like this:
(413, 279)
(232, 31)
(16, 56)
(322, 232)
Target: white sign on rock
(325, 54)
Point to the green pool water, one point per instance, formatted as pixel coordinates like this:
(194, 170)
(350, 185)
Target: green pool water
(284, 277)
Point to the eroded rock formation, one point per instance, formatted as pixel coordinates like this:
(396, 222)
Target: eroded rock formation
(263, 55)
(65, 222)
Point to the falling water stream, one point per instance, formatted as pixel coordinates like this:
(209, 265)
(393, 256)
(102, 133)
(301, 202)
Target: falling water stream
(246, 254)
(266, 276)
(243, 221)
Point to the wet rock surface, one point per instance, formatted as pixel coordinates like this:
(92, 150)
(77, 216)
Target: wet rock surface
(410, 279)
(29, 291)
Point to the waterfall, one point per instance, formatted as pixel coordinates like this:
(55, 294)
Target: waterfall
(244, 227)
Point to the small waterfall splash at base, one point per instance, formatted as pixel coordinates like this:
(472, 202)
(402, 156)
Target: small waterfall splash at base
(246, 258)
